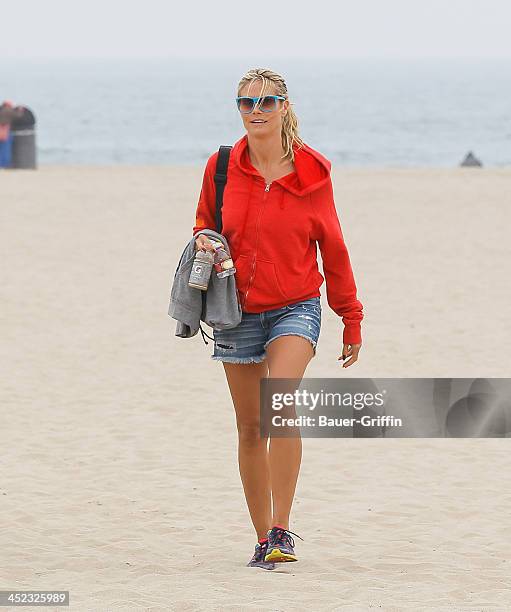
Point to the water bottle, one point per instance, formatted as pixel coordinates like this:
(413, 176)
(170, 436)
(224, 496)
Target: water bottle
(201, 270)
(223, 263)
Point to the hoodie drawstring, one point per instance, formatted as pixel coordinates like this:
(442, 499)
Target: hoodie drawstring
(204, 334)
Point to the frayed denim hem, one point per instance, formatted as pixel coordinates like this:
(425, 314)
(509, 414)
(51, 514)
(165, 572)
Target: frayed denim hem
(293, 334)
(228, 359)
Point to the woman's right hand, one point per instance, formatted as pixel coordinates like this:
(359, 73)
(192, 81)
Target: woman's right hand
(203, 243)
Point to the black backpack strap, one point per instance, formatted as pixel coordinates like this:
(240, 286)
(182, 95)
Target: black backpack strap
(222, 163)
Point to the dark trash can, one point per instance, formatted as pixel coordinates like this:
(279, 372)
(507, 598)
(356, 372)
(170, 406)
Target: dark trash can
(24, 143)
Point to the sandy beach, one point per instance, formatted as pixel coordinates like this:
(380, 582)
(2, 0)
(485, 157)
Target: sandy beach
(119, 449)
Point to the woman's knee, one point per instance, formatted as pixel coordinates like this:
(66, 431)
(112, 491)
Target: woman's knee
(249, 432)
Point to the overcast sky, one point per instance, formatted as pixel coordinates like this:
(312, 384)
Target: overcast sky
(256, 28)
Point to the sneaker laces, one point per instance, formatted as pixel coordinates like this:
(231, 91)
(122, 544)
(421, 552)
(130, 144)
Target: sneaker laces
(283, 536)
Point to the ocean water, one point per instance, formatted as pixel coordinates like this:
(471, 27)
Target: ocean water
(356, 112)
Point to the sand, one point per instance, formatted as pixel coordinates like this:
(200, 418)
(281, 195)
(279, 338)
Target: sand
(119, 473)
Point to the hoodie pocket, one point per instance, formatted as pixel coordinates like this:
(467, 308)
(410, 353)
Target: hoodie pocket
(185, 266)
(265, 287)
(180, 289)
(242, 274)
(269, 282)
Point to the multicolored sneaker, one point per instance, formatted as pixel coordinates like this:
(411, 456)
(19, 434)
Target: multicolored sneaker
(258, 558)
(281, 545)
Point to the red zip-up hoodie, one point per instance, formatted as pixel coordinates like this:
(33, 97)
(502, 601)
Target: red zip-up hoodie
(272, 230)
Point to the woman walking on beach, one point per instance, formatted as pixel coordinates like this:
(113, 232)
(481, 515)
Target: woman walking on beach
(278, 204)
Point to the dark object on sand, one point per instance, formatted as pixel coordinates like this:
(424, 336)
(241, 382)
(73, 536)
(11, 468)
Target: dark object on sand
(471, 161)
(23, 144)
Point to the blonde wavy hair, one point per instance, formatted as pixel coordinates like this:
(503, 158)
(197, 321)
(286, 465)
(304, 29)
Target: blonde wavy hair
(289, 131)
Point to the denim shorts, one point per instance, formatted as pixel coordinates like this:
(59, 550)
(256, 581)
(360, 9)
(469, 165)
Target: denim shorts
(247, 342)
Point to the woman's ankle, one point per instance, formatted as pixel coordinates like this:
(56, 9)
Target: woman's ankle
(281, 524)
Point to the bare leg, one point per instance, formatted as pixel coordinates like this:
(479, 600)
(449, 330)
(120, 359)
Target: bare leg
(288, 357)
(244, 384)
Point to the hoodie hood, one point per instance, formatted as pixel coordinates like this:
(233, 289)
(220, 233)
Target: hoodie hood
(312, 170)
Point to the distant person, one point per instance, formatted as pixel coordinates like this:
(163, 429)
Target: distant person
(8, 113)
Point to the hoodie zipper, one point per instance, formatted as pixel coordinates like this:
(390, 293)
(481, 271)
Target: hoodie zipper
(265, 194)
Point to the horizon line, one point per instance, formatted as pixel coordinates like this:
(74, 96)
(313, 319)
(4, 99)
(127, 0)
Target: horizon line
(249, 59)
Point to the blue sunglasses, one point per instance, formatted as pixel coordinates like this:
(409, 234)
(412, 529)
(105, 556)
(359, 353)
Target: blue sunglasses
(267, 104)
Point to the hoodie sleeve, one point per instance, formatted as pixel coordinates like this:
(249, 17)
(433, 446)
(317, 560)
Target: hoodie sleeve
(205, 213)
(340, 283)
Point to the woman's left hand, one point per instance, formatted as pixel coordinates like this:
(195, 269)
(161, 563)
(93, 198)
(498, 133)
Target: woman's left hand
(349, 350)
